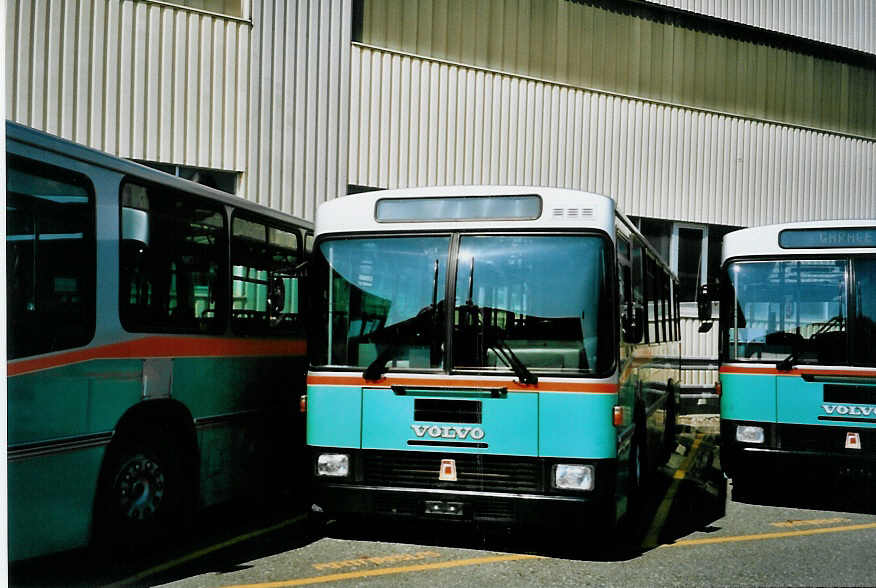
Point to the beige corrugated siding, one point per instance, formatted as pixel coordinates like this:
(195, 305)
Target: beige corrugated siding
(417, 122)
(845, 23)
(150, 81)
(620, 51)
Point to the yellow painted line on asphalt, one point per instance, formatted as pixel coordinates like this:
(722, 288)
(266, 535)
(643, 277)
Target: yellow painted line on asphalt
(810, 522)
(777, 535)
(208, 550)
(455, 563)
(652, 538)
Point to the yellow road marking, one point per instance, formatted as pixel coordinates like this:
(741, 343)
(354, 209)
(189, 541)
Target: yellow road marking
(376, 560)
(776, 535)
(207, 550)
(653, 536)
(387, 571)
(810, 522)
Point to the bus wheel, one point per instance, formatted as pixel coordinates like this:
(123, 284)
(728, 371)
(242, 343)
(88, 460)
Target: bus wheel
(144, 494)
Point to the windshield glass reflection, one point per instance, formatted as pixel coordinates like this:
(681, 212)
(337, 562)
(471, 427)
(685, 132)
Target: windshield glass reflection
(381, 299)
(539, 299)
(792, 311)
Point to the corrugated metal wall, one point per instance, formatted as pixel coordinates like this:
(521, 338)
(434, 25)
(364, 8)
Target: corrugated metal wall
(847, 23)
(148, 81)
(299, 99)
(621, 51)
(418, 122)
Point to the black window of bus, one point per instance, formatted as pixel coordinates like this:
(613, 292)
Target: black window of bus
(173, 261)
(625, 292)
(652, 296)
(864, 347)
(263, 260)
(638, 294)
(50, 258)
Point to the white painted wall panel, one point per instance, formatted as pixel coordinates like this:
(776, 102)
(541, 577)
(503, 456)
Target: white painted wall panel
(268, 98)
(846, 23)
(417, 122)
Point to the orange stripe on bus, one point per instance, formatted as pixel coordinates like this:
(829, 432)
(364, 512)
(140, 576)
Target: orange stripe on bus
(164, 346)
(770, 371)
(387, 381)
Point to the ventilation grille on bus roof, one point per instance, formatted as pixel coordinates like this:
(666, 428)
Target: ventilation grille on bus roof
(573, 212)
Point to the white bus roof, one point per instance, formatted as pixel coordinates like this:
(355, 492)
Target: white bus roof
(560, 209)
(802, 238)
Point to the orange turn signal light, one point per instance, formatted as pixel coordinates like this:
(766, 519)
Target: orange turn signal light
(302, 404)
(718, 388)
(618, 416)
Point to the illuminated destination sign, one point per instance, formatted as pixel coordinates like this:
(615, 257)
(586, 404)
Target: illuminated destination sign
(828, 238)
(470, 208)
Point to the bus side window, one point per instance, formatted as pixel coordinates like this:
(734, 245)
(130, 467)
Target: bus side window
(265, 288)
(172, 262)
(50, 258)
(638, 294)
(630, 329)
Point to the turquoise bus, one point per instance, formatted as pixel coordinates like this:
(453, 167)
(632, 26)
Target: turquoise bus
(155, 350)
(798, 351)
(487, 354)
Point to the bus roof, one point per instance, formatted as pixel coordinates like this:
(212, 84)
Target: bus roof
(29, 136)
(802, 238)
(557, 209)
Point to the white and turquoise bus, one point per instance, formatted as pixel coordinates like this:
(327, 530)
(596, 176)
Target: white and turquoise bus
(798, 351)
(155, 349)
(483, 353)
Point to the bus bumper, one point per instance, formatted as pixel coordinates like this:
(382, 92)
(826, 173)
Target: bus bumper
(799, 450)
(362, 493)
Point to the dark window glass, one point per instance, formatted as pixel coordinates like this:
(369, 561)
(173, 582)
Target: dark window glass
(776, 310)
(639, 314)
(264, 290)
(690, 251)
(865, 311)
(50, 258)
(380, 298)
(543, 299)
(173, 260)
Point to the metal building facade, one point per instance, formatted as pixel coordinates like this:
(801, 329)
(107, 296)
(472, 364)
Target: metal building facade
(265, 95)
(417, 121)
(845, 23)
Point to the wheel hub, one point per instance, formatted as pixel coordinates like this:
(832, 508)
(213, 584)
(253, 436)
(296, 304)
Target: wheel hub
(140, 488)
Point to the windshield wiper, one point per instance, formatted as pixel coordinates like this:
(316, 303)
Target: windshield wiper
(522, 372)
(786, 364)
(378, 367)
(426, 315)
(500, 348)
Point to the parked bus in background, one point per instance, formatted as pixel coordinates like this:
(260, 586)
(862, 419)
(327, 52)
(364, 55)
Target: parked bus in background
(154, 345)
(504, 354)
(798, 351)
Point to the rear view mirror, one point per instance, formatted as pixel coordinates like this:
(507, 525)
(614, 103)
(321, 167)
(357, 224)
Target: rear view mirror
(705, 295)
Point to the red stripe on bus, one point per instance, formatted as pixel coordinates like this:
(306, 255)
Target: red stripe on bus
(770, 371)
(387, 381)
(164, 346)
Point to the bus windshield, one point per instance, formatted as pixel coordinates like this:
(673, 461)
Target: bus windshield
(539, 301)
(792, 310)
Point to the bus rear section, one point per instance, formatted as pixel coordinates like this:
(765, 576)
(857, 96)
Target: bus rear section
(464, 357)
(798, 373)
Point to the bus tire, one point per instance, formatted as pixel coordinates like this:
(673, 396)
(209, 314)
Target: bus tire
(145, 494)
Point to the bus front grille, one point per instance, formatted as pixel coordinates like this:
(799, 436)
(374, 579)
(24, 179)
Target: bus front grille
(485, 473)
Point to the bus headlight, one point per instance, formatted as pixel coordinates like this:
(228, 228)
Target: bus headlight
(749, 434)
(336, 465)
(574, 477)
